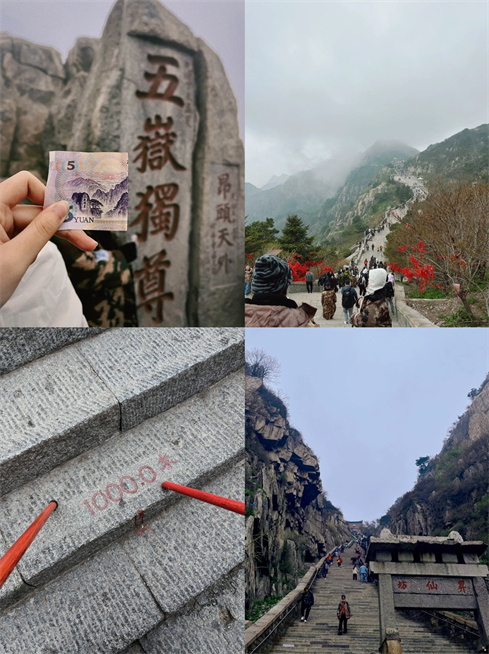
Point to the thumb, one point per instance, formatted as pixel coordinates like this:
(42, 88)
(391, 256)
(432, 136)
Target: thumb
(35, 236)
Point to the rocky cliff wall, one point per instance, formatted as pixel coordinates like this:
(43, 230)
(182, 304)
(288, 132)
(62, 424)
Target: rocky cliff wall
(289, 522)
(452, 492)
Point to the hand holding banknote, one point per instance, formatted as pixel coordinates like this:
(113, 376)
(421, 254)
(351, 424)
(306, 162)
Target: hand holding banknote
(25, 229)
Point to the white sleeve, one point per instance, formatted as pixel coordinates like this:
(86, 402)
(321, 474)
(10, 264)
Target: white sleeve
(45, 296)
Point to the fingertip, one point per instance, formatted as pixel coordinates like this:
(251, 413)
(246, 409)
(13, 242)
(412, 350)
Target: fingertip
(60, 208)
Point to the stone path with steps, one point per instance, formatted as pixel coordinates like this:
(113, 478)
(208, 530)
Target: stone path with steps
(320, 633)
(97, 422)
(392, 217)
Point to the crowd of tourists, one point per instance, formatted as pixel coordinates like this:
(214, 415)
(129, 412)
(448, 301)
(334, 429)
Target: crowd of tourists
(366, 295)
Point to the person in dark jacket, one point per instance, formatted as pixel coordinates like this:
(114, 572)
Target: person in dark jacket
(343, 614)
(307, 601)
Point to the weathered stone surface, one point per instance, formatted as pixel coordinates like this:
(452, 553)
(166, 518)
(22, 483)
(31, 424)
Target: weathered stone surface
(8, 120)
(129, 104)
(218, 233)
(53, 409)
(81, 55)
(14, 587)
(200, 543)
(285, 498)
(215, 623)
(20, 346)
(189, 444)
(149, 87)
(151, 370)
(100, 607)
(134, 648)
(65, 108)
(31, 77)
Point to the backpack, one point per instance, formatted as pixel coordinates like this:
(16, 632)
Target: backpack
(348, 299)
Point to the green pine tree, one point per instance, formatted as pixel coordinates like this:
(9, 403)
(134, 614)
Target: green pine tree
(295, 239)
(259, 235)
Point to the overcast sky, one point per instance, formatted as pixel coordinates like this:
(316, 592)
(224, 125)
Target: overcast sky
(58, 23)
(325, 77)
(370, 402)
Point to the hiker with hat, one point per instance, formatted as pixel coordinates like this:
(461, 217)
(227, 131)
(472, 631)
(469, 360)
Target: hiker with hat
(269, 305)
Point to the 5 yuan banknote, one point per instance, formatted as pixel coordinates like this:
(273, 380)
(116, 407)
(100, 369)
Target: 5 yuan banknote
(95, 184)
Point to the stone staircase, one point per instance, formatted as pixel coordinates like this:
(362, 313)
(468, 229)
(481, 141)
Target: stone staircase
(97, 421)
(320, 633)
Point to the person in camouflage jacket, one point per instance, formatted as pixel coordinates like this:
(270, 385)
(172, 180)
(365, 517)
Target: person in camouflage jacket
(103, 281)
(373, 309)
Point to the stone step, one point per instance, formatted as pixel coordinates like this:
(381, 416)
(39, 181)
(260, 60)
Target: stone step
(214, 624)
(320, 633)
(61, 405)
(152, 584)
(188, 444)
(20, 346)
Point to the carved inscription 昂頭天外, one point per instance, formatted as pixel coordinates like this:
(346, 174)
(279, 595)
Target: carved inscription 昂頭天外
(162, 158)
(224, 226)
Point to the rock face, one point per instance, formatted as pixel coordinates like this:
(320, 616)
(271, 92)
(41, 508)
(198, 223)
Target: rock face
(150, 88)
(31, 77)
(290, 523)
(452, 493)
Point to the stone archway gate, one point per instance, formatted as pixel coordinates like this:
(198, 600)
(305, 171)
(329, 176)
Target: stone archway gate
(423, 572)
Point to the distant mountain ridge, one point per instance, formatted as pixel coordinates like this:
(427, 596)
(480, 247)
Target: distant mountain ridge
(275, 180)
(316, 195)
(328, 204)
(465, 154)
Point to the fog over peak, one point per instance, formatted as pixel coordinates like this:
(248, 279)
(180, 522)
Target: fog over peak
(327, 78)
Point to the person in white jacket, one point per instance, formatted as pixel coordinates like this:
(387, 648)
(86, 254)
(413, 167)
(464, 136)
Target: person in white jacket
(35, 290)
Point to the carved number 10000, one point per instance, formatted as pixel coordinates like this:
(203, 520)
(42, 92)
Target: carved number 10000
(114, 492)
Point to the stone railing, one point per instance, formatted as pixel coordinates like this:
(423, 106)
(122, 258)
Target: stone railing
(261, 634)
(407, 316)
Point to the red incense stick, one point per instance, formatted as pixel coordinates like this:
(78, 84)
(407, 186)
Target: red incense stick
(13, 555)
(223, 502)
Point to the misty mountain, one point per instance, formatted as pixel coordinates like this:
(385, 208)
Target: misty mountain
(380, 154)
(303, 193)
(321, 195)
(466, 154)
(275, 180)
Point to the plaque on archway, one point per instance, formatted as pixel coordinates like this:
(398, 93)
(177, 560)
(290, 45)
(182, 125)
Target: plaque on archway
(424, 572)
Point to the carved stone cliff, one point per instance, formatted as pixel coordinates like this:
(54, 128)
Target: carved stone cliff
(290, 523)
(451, 492)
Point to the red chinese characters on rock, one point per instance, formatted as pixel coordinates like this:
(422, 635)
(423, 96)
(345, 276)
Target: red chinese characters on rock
(158, 209)
(165, 462)
(151, 285)
(461, 587)
(140, 527)
(221, 228)
(164, 214)
(158, 78)
(431, 585)
(155, 149)
(402, 585)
